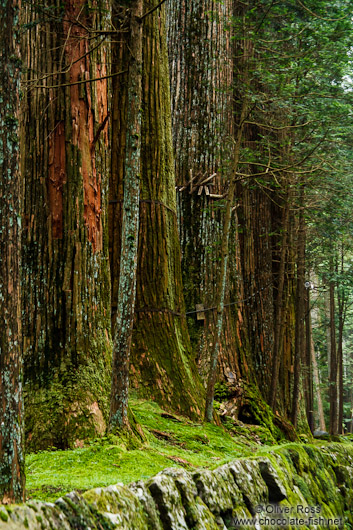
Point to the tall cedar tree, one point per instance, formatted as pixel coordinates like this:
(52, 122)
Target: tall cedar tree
(201, 72)
(162, 364)
(12, 478)
(66, 283)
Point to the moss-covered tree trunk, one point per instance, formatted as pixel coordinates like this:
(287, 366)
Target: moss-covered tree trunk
(162, 364)
(130, 226)
(66, 281)
(201, 72)
(12, 478)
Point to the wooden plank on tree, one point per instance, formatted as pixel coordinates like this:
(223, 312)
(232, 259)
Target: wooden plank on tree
(200, 315)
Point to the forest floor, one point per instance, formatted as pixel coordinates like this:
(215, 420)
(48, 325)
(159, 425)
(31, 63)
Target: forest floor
(171, 441)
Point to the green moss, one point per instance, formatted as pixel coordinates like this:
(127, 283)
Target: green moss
(306, 471)
(221, 392)
(304, 487)
(255, 410)
(3, 515)
(112, 459)
(71, 409)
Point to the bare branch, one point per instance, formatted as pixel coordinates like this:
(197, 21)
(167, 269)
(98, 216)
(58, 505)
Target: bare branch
(84, 80)
(263, 125)
(153, 9)
(318, 16)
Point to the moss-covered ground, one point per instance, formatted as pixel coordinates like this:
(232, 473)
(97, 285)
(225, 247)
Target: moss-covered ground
(171, 441)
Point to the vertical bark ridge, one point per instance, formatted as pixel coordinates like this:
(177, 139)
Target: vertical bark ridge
(118, 418)
(162, 365)
(200, 56)
(161, 354)
(66, 280)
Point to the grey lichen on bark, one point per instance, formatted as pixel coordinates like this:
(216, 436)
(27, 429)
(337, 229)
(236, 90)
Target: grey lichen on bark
(12, 478)
(130, 228)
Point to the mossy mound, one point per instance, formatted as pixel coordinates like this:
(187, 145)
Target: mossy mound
(244, 406)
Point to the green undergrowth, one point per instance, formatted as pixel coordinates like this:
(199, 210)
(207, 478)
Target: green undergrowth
(171, 441)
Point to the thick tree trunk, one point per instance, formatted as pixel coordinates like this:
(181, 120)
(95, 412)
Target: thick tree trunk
(201, 70)
(162, 365)
(12, 478)
(222, 273)
(130, 227)
(67, 344)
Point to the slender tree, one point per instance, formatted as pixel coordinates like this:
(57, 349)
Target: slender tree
(333, 349)
(309, 381)
(130, 227)
(222, 275)
(299, 353)
(279, 324)
(12, 478)
(316, 377)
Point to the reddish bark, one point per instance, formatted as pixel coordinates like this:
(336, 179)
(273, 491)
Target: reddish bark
(82, 116)
(57, 178)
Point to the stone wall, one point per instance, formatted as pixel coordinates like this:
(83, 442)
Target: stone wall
(290, 482)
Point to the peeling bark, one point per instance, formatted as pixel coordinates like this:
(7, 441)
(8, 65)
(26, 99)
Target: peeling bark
(65, 166)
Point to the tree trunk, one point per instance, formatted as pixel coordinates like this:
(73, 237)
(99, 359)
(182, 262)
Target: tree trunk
(327, 324)
(308, 365)
(130, 227)
(162, 365)
(299, 353)
(12, 477)
(340, 425)
(351, 412)
(222, 274)
(322, 424)
(278, 330)
(67, 344)
(342, 312)
(333, 363)
(201, 69)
